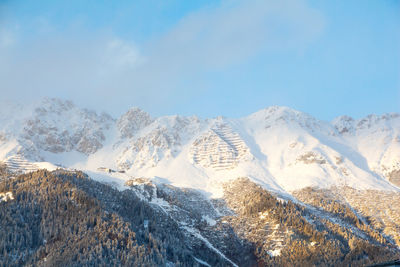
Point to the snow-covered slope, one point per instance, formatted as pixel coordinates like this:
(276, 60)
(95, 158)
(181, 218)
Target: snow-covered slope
(377, 138)
(280, 148)
(50, 126)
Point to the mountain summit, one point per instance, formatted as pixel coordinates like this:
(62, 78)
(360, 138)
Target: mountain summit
(275, 188)
(280, 148)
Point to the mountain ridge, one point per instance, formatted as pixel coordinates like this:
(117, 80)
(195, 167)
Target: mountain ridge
(65, 218)
(275, 188)
(281, 148)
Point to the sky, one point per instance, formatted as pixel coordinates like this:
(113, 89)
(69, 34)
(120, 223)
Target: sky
(208, 58)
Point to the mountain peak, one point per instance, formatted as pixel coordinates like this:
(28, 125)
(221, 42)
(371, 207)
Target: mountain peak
(272, 145)
(281, 115)
(132, 121)
(346, 124)
(280, 112)
(56, 102)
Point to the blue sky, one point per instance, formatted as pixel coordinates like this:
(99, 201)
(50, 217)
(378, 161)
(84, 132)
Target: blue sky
(209, 58)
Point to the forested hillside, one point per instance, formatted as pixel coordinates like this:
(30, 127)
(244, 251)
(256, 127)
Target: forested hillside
(64, 218)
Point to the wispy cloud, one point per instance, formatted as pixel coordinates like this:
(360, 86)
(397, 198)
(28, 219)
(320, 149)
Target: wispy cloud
(103, 68)
(235, 31)
(6, 38)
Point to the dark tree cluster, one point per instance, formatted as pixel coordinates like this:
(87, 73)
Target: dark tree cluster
(63, 218)
(66, 219)
(310, 240)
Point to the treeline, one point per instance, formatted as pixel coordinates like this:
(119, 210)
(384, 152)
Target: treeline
(4, 172)
(309, 240)
(65, 219)
(321, 198)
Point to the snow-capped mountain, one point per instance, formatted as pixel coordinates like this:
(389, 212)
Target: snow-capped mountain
(51, 126)
(377, 138)
(279, 148)
(275, 188)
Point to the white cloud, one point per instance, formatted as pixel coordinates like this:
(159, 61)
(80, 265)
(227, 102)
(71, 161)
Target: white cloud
(6, 38)
(102, 68)
(236, 30)
(121, 54)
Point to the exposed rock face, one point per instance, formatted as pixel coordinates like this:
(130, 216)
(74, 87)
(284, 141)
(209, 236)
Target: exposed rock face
(219, 148)
(52, 125)
(149, 149)
(132, 121)
(160, 140)
(394, 177)
(59, 126)
(311, 157)
(344, 124)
